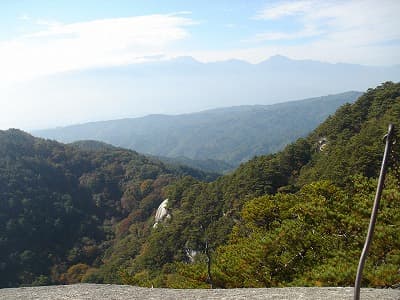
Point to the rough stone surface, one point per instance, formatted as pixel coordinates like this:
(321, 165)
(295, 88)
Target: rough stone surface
(124, 292)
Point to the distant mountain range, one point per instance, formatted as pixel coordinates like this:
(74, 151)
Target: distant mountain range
(183, 85)
(232, 135)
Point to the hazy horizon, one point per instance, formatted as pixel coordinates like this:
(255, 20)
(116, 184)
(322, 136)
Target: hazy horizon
(144, 116)
(74, 62)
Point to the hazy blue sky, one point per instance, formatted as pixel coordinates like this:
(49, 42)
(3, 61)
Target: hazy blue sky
(39, 37)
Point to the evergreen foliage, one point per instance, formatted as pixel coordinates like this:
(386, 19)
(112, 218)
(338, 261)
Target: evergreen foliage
(296, 217)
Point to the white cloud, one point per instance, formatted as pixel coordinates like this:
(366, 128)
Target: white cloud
(24, 17)
(63, 47)
(356, 31)
(307, 31)
(47, 23)
(284, 9)
(356, 22)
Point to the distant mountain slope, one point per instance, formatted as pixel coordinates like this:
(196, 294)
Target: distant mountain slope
(233, 134)
(184, 85)
(207, 165)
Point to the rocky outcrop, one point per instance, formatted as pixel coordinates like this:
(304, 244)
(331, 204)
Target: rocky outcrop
(162, 213)
(322, 143)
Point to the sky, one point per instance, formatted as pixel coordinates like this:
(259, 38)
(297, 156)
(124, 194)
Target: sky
(46, 37)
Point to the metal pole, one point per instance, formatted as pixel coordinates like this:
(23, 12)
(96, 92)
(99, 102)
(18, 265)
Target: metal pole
(364, 253)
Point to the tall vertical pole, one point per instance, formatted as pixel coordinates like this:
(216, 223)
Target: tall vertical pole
(364, 253)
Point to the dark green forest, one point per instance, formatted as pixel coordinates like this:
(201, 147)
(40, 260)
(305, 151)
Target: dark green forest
(60, 205)
(85, 213)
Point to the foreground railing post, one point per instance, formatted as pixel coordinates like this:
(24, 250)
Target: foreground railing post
(370, 233)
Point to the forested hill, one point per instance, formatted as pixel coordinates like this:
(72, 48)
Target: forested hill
(59, 204)
(297, 217)
(91, 145)
(231, 135)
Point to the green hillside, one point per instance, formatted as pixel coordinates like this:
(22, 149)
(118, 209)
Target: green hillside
(91, 145)
(60, 205)
(297, 217)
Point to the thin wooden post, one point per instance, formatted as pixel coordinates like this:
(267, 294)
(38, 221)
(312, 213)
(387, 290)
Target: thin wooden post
(374, 213)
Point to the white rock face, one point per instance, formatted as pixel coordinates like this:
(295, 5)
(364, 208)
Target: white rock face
(322, 143)
(162, 213)
(191, 254)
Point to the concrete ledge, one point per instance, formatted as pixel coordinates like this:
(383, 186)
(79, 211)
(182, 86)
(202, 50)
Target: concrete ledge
(124, 292)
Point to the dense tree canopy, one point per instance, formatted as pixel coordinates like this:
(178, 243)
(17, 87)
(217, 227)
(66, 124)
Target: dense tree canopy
(60, 205)
(85, 212)
(291, 218)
